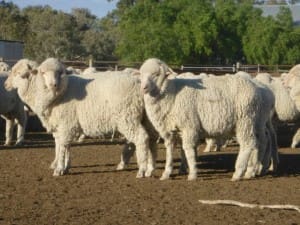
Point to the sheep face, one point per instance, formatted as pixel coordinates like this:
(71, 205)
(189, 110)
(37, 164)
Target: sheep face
(19, 76)
(51, 78)
(4, 67)
(153, 74)
(51, 71)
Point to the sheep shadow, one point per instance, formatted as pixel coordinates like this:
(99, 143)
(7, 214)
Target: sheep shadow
(222, 163)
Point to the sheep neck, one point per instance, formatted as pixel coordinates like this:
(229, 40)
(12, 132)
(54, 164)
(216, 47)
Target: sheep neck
(37, 96)
(159, 106)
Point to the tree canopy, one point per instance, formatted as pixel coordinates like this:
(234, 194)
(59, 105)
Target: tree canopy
(177, 31)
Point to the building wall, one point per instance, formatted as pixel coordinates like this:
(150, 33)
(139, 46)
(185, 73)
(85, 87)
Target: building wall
(11, 51)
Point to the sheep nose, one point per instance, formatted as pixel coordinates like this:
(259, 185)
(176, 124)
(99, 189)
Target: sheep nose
(144, 89)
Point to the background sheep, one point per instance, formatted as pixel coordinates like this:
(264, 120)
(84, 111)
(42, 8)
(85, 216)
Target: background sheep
(89, 70)
(61, 102)
(12, 110)
(4, 67)
(194, 106)
(285, 107)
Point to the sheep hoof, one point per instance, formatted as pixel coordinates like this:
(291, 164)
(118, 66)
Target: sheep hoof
(165, 176)
(192, 177)
(149, 173)
(19, 143)
(235, 177)
(293, 145)
(58, 172)
(53, 165)
(7, 144)
(121, 166)
(248, 176)
(139, 175)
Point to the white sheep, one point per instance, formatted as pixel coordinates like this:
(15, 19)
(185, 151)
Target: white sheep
(69, 106)
(285, 108)
(4, 67)
(12, 110)
(89, 70)
(267, 97)
(211, 107)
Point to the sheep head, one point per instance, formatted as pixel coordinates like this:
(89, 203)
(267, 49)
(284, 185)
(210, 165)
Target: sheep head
(18, 78)
(4, 67)
(51, 70)
(153, 74)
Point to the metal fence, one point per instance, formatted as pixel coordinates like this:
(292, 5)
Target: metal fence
(275, 70)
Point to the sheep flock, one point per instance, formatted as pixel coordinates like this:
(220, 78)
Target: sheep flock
(151, 103)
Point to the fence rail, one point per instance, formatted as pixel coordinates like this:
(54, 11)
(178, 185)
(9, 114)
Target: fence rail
(275, 70)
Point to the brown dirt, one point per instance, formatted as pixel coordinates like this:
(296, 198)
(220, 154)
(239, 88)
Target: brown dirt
(95, 193)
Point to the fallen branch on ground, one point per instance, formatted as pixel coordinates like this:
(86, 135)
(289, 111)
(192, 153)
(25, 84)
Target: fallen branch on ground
(247, 205)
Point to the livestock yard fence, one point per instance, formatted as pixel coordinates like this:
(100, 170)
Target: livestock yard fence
(275, 70)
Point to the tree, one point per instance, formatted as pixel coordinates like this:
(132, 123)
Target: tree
(270, 40)
(55, 37)
(176, 31)
(13, 26)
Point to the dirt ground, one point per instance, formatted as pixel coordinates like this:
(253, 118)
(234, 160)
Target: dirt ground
(95, 193)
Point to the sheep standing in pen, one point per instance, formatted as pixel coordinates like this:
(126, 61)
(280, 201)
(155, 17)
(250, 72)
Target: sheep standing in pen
(285, 107)
(210, 107)
(61, 103)
(12, 110)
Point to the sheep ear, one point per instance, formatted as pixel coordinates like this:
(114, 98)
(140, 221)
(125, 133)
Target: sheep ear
(25, 75)
(34, 72)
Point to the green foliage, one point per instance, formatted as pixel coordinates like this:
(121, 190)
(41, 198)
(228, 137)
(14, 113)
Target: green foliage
(177, 31)
(272, 40)
(56, 36)
(13, 26)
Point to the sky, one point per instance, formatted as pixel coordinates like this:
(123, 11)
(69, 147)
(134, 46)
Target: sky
(99, 8)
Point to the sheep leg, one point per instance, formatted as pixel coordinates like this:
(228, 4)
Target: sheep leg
(260, 160)
(210, 145)
(188, 145)
(274, 148)
(9, 127)
(296, 139)
(127, 153)
(63, 153)
(183, 164)
(22, 121)
(141, 140)
(152, 155)
(170, 145)
(54, 162)
(67, 161)
(242, 161)
(266, 159)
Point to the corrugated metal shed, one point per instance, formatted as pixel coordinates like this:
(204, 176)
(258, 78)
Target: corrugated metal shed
(11, 51)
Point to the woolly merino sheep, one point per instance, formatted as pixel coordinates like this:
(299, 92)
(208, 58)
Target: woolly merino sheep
(89, 70)
(267, 101)
(285, 107)
(4, 67)
(12, 109)
(211, 107)
(114, 102)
